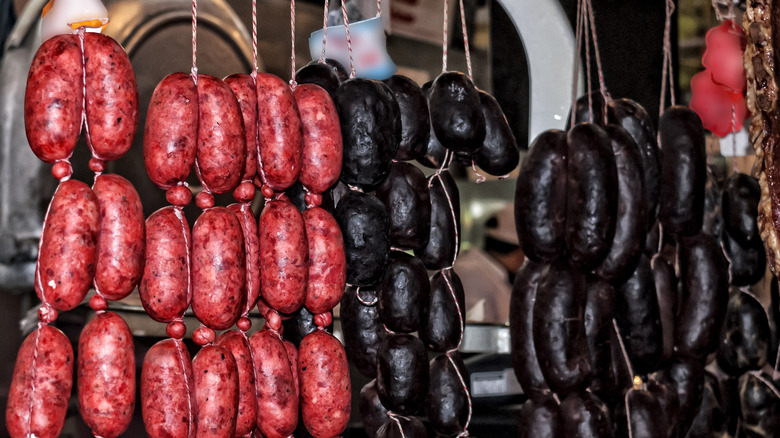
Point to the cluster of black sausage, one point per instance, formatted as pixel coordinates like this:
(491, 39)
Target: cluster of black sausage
(605, 341)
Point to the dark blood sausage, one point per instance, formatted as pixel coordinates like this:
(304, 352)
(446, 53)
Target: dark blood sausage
(712, 222)
(277, 404)
(434, 154)
(120, 256)
(327, 262)
(322, 144)
(251, 253)
(647, 417)
(106, 375)
(409, 428)
(442, 247)
(442, 325)
(53, 99)
(759, 405)
(245, 91)
(686, 376)
(341, 72)
(634, 119)
(167, 391)
(540, 198)
(684, 171)
(521, 306)
(171, 130)
(446, 404)
(111, 97)
(318, 73)
(68, 256)
(711, 417)
(740, 209)
(218, 268)
(365, 225)
(666, 292)
(744, 338)
(216, 391)
(559, 329)
(666, 396)
(747, 265)
(456, 112)
(406, 195)
(371, 129)
(499, 153)
(583, 415)
(540, 418)
(586, 107)
(280, 131)
(300, 324)
(599, 311)
(221, 152)
(165, 289)
(326, 391)
(372, 413)
(237, 344)
(362, 328)
(402, 373)
(630, 227)
(404, 292)
(415, 118)
(284, 254)
(592, 201)
(638, 316)
(704, 273)
(41, 385)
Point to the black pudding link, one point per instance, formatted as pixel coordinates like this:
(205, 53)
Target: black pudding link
(599, 311)
(412, 428)
(372, 413)
(666, 293)
(404, 293)
(434, 153)
(318, 73)
(362, 329)
(647, 416)
(747, 264)
(446, 404)
(407, 198)
(740, 209)
(441, 329)
(440, 250)
(364, 223)
(456, 113)
(499, 153)
(402, 373)
(745, 336)
(415, 118)
(759, 405)
(585, 416)
(540, 418)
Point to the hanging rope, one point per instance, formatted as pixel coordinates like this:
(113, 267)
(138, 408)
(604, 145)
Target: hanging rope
(667, 68)
(254, 34)
(293, 84)
(444, 37)
(576, 72)
(195, 41)
(324, 31)
(465, 40)
(349, 40)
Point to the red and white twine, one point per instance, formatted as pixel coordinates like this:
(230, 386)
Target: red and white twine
(195, 41)
(324, 31)
(667, 68)
(465, 39)
(254, 35)
(349, 40)
(293, 84)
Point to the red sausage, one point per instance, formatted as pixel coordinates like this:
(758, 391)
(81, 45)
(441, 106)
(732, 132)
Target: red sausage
(251, 251)
(280, 132)
(106, 375)
(167, 393)
(41, 385)
(277, 404)
(216, 392)
(283, 256)
(111, 97)
(165, 286)
(171, 130)
(218, 268)
(326, 394)
(322, 145)
(53, 99)
(221, 140)
(68, 255)
(237, 343)
(327, 263)
(292, 356)
(244, 89)
(120, 256)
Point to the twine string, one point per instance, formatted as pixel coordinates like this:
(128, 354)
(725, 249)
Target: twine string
(324, 31)
(293, 84)
(575, 73)
(195, 41)
(623, 349)
(349, 40)
(395, 417)
(587, 59)
(254, 34)
(444, 31)
(667, 69)
(465, 39)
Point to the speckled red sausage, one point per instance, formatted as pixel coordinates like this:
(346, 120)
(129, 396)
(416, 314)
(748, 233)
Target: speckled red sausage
(41, 385)
(218, 268)
(277, 404)
(251, 252)
(244, 89)
(121, 239)
(284, 254)
(221, 140)
(53, 99)
(292, 356)
(171, 130)
(106, 375)
(167, 392)
(327, 263)
(111, 97)
(326, 394)
(66, 262)
(236, 342)
(280, 132)
(165, 286)
(216, 392)
(322, 146)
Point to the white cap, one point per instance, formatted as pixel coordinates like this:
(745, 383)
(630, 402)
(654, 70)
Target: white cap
(504, 229)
